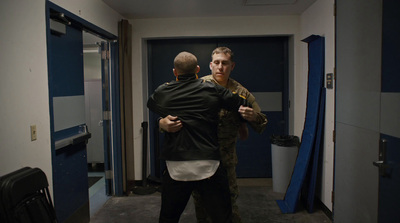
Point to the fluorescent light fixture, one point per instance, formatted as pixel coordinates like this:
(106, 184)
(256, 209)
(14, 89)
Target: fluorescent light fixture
(269, 2)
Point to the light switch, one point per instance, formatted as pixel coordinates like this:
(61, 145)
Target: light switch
(33, 133)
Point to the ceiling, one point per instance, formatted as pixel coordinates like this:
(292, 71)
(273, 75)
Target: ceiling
(141, 9)
(145, 9)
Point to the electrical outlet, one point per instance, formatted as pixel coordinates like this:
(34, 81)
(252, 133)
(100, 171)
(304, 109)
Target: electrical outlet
(33, 133)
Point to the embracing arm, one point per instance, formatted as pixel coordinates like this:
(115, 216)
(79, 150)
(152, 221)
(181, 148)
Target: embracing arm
(170, 123)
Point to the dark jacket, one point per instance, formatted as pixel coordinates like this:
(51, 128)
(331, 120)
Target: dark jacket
(196, 103)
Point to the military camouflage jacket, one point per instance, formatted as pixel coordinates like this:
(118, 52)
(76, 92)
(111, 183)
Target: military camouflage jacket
(230, 121)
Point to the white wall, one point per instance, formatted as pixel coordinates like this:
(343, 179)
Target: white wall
(319, 20)
(24, 79)
(205, 27)
(24, 87)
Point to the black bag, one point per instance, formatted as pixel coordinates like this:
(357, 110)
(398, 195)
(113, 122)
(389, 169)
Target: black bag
(25, 197)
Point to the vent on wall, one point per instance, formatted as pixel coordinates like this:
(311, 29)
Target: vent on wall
(269, 2)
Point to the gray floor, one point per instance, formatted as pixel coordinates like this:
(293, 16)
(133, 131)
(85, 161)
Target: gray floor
(257, 203)
(97, 193)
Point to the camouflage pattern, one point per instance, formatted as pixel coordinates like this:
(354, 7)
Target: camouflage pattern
(228, 128)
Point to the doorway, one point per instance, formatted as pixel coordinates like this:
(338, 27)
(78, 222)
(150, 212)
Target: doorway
(94, 120)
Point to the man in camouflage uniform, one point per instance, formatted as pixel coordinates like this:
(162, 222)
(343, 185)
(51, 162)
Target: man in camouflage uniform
(230, 125)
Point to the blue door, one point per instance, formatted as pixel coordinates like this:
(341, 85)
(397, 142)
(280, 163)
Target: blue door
(389, 177)
(69, 133)
(67, 111)
(261, 66)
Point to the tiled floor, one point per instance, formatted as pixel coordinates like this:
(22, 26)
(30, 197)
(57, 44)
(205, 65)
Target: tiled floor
(257, 203)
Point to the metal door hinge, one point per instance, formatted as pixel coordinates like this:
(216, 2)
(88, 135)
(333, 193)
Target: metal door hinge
(106, 115)
(109, 174)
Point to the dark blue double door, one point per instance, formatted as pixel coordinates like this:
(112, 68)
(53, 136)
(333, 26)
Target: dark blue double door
(261, 66)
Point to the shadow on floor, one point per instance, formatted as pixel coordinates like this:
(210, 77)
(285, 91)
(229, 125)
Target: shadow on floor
(257, 204)
(97, 191)
(93, 180)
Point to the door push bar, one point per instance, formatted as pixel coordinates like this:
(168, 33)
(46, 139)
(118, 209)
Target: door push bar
(83, 136)
(382, 162)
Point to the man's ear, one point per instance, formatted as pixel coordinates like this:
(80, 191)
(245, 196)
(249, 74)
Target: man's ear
(175, 72)
(233, 65)
(197, 69)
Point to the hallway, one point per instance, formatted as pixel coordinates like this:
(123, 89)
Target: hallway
(256, 202)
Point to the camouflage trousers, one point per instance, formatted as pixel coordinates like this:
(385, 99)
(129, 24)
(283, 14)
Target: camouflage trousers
(201, 213)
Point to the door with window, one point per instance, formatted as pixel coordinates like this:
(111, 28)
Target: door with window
(67, 112)
(69, 132)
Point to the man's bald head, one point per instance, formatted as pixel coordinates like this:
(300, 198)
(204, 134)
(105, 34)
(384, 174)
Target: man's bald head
(185, 63)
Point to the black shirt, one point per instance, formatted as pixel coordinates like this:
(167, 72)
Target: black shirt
(196, 103)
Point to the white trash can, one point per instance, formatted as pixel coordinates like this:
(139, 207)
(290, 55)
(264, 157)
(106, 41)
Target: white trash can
(284, 154)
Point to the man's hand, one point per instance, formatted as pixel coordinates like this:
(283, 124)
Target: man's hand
(247, 113)
(170, 124)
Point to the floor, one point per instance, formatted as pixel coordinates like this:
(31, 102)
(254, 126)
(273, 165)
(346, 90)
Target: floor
(97, 193)
(257, 203)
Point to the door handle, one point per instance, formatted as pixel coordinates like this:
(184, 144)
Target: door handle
(381, 163)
